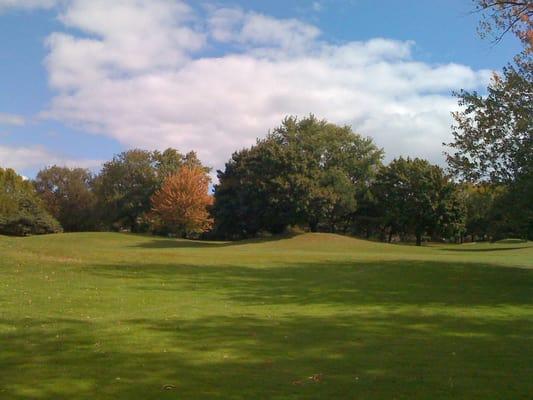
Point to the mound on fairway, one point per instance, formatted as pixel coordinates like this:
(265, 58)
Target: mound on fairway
(315, 316)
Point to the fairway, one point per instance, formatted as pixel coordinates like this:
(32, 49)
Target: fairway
(312, 316)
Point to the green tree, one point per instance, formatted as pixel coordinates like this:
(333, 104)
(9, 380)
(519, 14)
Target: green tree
(67, 194)
(416, 198)
(124, 187)
(21, 211)
(493, 134)
(306, 171)
(479, 200)
(169, 162)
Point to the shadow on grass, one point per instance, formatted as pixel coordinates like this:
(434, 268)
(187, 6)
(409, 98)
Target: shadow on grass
(334, 283)
(378, 330)
(168, 243)
(484, 250)
(376, 355)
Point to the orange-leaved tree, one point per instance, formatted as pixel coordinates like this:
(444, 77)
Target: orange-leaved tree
(181, 204)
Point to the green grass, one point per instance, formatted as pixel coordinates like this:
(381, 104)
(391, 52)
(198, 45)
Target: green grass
(119, 316)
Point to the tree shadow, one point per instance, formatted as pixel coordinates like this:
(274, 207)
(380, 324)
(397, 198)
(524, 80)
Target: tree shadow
(350, 283)
(170, 243)
(486, 250)
(380, 330)
(376, 355)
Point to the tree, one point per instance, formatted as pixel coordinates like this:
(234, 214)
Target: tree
(415, 197)
(124, 187)
(493, 135)
(512, 210)
(502, 16)
(169, 162)
(127, 182)
(305, 172)
(21, 211)
(67, 194)
(479, 200)
(181, 204)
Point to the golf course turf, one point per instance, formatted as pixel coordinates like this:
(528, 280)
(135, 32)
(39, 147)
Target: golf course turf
(312, 316)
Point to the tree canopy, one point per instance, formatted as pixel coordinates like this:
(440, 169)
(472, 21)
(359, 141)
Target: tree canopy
(493, 134)
(306, 172)
(21, 211)
(502, 16)
(181, 204)
(415, 197)
(67, 194)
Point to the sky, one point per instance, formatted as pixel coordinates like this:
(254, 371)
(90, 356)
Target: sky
(82, 80)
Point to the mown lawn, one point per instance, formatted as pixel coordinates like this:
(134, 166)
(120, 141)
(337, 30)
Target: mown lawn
(316, 316)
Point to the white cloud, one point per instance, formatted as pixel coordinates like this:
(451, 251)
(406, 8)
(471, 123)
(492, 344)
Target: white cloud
(138, 74)
(257, 30)
(20, 157)
(11, 119)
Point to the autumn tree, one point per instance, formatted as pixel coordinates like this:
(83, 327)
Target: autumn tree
(181, 204)
(502, 16)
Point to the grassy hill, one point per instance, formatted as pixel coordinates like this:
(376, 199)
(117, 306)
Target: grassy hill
(120, 316)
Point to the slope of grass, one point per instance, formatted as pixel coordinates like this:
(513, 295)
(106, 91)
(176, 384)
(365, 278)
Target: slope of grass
(118, 316)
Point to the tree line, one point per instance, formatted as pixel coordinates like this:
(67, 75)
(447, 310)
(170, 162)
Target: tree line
(307, 174)
(314, 175)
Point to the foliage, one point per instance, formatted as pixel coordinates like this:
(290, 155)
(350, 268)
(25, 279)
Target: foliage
(127, 182)
(306, 171)
(170, 161)
(182, 202)
(124, 187)
(67, 194)
(502, 16)
(479, 200)
(493, 135)
(512, 212)
(416, 197)
(21, 212)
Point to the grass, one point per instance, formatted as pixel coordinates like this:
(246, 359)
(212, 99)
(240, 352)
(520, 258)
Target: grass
(119, 316)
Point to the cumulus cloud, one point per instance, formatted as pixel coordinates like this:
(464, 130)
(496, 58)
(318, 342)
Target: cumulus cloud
(140, 72)
(20, 157)
(11, 119)
(260, 31)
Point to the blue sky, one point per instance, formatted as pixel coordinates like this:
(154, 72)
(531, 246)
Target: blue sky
(82, 80)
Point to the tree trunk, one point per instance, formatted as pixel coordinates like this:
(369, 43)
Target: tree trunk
(419, 239)
(313, 225)
(390, 236)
